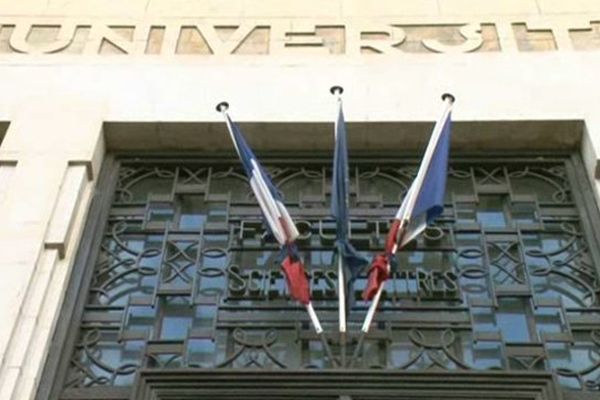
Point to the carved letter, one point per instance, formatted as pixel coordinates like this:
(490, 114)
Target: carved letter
(305, 229)
(103, 33)
(560, 30)
(170, 39)
(506, 36)
(222, 48)
(472, 34)
(301, 36)
(256, 282)
(236, 283)
(18, 40)
(425, 283)
(355, 42)
(451, 285)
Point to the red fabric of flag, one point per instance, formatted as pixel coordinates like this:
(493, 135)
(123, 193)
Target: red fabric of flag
(296, 280)
(378, 273)
(380, 270)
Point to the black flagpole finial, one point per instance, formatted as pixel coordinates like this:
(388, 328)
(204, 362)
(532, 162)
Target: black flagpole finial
(448, 96)
(336, 90)
(222, 106)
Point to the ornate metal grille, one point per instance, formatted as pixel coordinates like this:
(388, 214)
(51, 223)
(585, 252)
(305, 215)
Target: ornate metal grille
(187, 277)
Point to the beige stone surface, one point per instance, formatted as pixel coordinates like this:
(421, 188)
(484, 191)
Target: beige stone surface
(187, 8)
(568, 7)
(48, 311)
(96, 7)
(6, 174)
(45, 134)
(60, 225)
(294, 8)
(24, 330)
(23, 7)
(13, 288)
(485, 7)
(586, 39)
(533, 39)
(7, 382)
(379, 8)
(25, 218)
(591, 145)
(590, 153)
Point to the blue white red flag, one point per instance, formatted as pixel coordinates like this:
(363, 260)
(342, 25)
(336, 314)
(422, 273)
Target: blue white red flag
(423, 202)
(276, 216)
(352, 261)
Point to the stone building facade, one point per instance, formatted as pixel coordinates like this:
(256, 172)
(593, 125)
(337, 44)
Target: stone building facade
(83, 81)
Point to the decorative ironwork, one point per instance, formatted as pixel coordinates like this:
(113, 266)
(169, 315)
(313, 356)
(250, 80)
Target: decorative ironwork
(187, 276)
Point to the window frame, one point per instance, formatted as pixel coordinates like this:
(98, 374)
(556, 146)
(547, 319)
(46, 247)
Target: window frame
(148, 381)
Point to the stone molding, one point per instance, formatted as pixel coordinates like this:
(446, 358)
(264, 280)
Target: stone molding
(209, 384)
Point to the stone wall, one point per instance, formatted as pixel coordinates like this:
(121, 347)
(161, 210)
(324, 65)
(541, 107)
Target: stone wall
(296, 8)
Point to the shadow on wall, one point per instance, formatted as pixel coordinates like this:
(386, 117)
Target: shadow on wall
(403, 137)
(3, 129)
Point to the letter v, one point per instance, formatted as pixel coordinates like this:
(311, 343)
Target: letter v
(219, 47)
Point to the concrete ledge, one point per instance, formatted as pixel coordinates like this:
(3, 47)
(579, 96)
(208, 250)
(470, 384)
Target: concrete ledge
(404, 137)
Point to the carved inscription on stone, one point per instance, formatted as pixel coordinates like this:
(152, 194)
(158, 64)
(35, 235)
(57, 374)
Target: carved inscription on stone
(286, 37)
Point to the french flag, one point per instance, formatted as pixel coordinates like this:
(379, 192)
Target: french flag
(276, 216)
(350, 262)
(424, 201)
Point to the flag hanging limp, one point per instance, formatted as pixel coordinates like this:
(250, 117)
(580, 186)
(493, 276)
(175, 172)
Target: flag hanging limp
(423, 202)
(275, 214)
(352, 261)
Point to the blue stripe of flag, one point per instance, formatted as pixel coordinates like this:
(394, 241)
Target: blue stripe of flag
(246, 156)
(430, 200)
(353, 261)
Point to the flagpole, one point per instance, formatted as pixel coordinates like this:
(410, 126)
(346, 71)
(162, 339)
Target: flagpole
(222, 107)
(319, 331)
(337, 92)
(366, 326)
(342, 309)
(404, 219)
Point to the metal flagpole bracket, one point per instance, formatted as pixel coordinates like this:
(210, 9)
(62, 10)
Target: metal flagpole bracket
(222, 106)
(448, 96)
(336, 90)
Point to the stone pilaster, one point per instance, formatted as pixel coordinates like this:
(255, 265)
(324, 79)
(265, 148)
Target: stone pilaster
(49, 162)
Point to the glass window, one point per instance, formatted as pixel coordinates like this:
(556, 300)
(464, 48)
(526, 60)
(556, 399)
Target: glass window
(183, 273)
